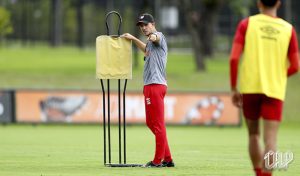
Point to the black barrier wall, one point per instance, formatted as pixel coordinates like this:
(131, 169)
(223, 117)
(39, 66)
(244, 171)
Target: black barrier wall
(7, 107)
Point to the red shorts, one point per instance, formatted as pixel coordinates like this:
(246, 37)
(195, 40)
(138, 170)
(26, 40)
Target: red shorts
(259, 105)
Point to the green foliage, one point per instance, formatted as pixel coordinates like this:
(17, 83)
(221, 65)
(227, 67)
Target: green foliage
(241, 7)
(30, 19)
(70, 25)
(5, 23)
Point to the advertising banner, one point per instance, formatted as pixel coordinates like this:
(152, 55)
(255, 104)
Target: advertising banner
(86, 107)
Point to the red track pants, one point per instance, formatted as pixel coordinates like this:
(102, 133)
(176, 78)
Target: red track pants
(154, 104)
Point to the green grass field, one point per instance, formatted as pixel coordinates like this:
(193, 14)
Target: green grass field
(68, 150)
(62, 150)
(71, 68)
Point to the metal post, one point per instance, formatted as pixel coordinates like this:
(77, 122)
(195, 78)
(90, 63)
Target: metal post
(108, 121)
(119, 119)
(104, 120)
(124, 121)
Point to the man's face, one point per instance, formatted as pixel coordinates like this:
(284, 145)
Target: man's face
(146, 29)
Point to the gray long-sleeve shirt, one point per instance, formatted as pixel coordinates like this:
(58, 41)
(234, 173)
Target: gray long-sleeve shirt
(156, 61)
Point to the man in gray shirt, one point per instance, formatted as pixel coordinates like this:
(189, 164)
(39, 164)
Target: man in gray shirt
(155, 87)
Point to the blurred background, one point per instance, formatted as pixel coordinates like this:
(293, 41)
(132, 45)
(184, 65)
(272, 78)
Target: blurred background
(47, 75)
(50, 44)
(201, 27)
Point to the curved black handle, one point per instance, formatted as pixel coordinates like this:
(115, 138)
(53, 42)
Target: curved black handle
(120, 22)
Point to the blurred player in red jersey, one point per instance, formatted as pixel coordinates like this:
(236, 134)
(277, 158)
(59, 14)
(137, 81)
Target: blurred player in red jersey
(270, 55)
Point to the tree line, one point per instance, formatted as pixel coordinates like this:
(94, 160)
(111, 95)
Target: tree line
(79, 22)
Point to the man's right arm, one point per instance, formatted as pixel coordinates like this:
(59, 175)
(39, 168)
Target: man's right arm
(237, 49)
(141, 45)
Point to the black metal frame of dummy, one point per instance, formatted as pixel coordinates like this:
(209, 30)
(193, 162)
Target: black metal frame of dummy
(108, 139)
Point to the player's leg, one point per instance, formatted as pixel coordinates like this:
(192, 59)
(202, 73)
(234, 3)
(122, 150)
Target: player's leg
(149, 118)
(157, 103)
(167, 157)
(270, 140)
(272, 114)
(251, 110)
(147, 93)
(154, 95)
(167, 161)
(255, 150)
